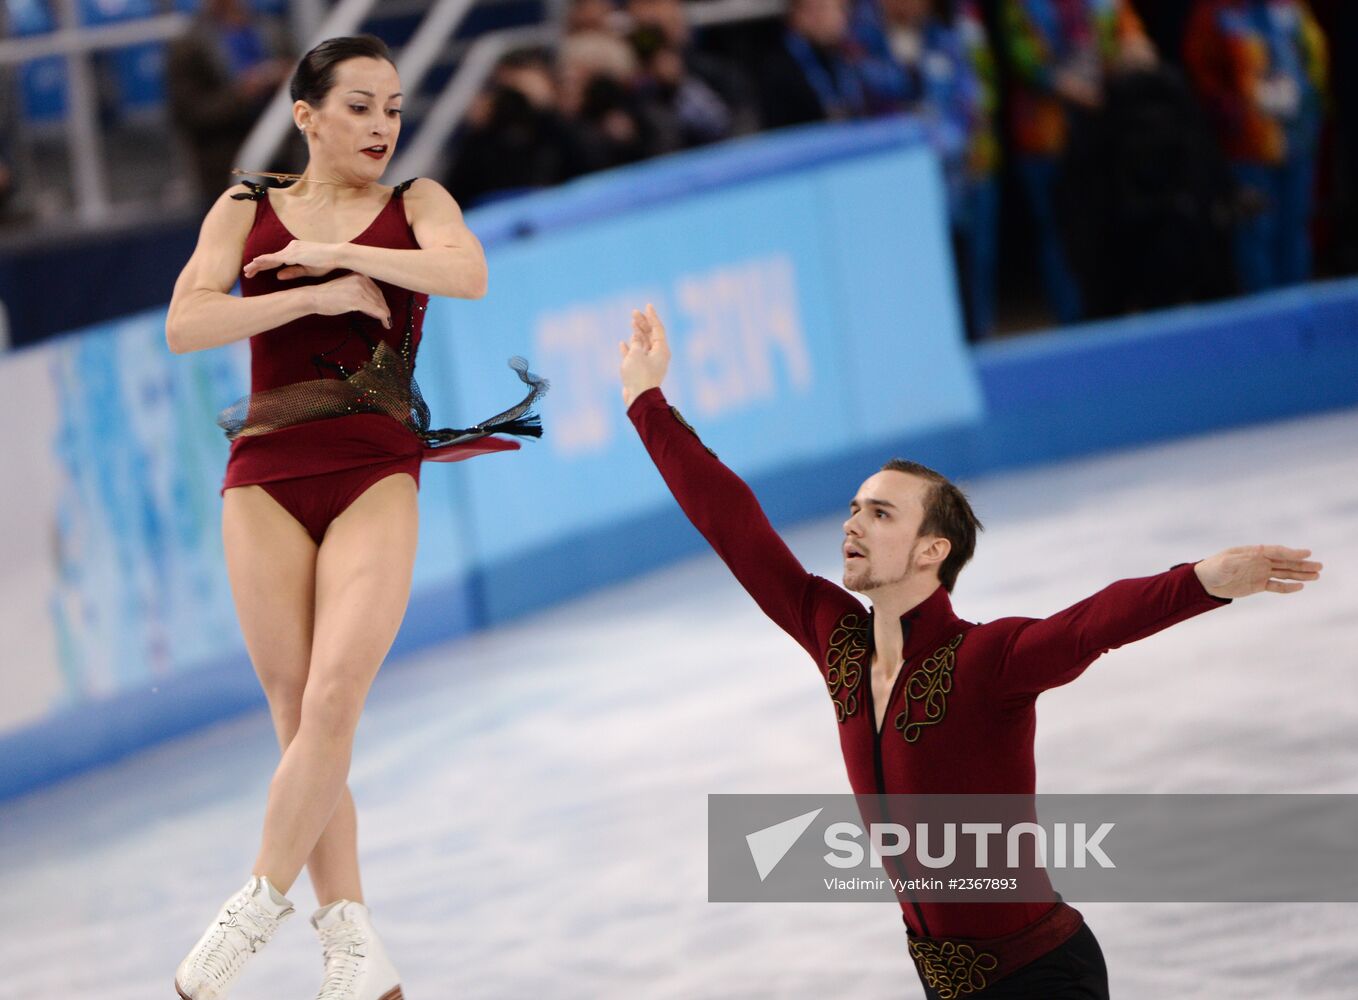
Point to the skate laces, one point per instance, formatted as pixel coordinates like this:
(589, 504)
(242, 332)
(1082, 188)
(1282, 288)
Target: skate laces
(222, 959)
(343, 946)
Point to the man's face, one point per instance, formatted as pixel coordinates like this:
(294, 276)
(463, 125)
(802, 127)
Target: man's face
(881, 535)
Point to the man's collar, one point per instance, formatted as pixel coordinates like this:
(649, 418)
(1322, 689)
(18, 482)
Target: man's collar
(932, 622)
(929, 623)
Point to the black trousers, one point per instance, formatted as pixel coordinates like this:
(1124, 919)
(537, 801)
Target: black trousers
(1073, 971)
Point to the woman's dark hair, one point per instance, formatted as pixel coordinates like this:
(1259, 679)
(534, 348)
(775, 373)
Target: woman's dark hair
(316, 72)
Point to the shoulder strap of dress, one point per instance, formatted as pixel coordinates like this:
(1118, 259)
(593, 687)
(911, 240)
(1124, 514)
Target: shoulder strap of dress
(404, 186)
(257, 191)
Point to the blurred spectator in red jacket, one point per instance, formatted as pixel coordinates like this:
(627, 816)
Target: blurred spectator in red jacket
(1261, 68)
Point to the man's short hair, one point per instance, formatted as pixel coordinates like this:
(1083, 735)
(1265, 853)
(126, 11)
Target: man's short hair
(947, 514)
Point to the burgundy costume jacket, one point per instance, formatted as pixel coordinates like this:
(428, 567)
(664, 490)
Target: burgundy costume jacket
(961, 717)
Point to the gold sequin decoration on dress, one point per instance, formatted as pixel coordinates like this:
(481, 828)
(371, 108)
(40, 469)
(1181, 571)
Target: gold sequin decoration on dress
(383, 385)
(952, 969)
(844, 663)
(928, 686)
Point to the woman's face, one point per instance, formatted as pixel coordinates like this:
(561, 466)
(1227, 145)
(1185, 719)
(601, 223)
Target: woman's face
(352, 135)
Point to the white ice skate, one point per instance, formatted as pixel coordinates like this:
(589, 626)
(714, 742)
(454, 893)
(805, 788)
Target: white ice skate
(242, 927)
(356, 964)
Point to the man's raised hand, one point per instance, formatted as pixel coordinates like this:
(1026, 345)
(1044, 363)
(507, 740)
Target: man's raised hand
(1252, 569)
(645, 357)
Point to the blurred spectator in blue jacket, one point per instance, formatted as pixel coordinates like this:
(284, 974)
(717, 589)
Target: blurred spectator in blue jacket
(810, 74)
(932, 57)
(1261, 67)
(220, 76)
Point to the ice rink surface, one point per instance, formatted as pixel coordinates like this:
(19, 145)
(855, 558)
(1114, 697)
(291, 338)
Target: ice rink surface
(532, 800)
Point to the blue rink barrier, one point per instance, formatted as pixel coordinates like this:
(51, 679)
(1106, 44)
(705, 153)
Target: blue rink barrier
(812, 310)
(1048, 397)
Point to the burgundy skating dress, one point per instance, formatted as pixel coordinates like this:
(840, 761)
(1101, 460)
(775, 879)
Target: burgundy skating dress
(333, 405)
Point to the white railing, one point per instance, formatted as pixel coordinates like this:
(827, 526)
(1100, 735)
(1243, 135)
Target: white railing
(700, 15)
(64, 41)
(421, 157)
(429, 43)
(76, 43)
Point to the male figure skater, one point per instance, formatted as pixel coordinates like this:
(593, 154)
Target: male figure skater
(926, 702)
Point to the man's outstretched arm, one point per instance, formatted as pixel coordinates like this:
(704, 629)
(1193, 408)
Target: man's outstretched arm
(1048, 652)
(715, 499)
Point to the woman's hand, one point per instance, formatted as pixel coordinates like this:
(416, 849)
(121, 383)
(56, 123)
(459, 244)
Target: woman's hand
(299, 259)
(352, 293)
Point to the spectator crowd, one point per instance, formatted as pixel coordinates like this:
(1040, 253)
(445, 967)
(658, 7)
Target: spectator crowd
(1145, 153)
(1144, 166)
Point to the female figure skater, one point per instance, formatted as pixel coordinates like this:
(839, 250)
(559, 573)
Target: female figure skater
(319, 513)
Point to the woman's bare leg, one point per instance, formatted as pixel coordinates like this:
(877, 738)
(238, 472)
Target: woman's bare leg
(362, 586)
(271, 562)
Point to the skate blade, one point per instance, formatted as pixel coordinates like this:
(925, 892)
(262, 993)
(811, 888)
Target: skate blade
(182, 994)
(393, 994)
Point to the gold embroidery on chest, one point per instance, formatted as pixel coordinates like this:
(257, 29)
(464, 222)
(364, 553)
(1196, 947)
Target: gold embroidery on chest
(928, 686)
(951, 968)
(844, 663)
